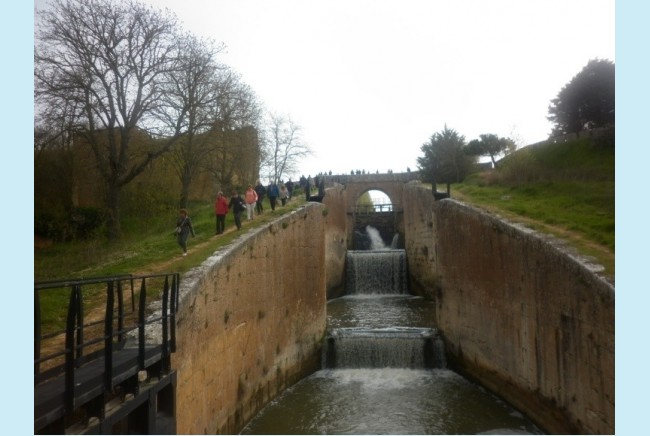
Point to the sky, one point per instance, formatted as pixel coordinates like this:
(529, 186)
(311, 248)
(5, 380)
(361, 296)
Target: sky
(369, 81)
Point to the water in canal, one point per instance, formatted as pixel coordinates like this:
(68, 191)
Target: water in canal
(384, 369)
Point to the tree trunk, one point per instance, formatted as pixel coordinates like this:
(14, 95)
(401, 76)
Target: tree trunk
(113, 226)
(185, 187)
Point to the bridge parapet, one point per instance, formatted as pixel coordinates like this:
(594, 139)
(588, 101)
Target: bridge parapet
(344, 179)
(390, 184)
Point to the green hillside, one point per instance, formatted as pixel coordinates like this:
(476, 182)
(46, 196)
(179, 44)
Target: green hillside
(566, 189)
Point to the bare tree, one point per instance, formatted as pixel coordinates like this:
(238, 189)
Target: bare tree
(190, 106)
(284, 147)
(107, 60)
(234, 138)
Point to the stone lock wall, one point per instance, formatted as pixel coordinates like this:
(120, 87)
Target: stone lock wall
(336, 239)
(250, 323)
(528, 319)
(419, 239)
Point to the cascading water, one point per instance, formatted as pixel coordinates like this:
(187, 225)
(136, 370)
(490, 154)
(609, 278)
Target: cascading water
(395, 241)
(376, 241)
(384, 368)
(371, 239)
(397, 347)
(376, 272)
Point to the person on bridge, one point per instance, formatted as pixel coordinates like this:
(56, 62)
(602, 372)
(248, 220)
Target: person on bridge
(220, 210)
(184, 229)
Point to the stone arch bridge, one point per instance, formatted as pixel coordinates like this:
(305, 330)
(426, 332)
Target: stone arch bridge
(387, 218)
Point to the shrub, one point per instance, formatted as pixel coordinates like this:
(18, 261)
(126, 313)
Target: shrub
(79, 223)
(86, 221)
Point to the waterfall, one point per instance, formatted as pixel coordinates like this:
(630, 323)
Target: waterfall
(376, 272)
(371, 239)
(395, 347)
(376, 241)
(393, 244)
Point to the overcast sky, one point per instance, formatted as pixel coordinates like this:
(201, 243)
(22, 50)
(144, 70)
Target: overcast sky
(369, 81)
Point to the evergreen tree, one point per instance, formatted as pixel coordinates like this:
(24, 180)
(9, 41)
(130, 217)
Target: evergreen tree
(445, 159)
(490, 145)
(587, 101)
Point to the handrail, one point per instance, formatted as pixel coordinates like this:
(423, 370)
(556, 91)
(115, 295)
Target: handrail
(366, 209)
(49, 284)
(81, 337)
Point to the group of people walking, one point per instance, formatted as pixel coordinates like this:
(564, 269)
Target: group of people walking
(251, 202)
(283, 192)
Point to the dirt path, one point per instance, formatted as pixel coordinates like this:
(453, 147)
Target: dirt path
(168, 264)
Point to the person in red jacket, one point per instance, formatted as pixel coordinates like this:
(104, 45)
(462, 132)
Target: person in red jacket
(220, 210)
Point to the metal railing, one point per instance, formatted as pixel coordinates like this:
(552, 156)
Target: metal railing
(97, 330)
(365, 209)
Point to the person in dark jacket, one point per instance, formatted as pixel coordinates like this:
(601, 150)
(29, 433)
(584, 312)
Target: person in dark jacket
(290, 186)
(183, 229)
(274, 193)
(261, 192)
(237, 206)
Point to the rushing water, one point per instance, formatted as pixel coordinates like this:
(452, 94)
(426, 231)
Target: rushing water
(388, 401)
(376, 272)
(394, 347)
(384, 372)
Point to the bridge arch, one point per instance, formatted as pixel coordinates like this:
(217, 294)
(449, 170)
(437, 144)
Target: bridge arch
(380, 201)
(389, 221)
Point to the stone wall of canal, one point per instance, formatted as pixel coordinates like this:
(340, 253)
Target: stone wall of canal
(520, 312)
(250, 323)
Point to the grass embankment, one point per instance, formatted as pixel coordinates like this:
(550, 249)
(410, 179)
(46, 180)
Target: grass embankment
(566, 190)
(145, 248)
